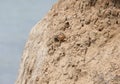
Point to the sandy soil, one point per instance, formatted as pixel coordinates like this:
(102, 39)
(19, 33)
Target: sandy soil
(78, 42)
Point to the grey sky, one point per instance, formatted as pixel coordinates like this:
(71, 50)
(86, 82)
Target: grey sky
(17, 17)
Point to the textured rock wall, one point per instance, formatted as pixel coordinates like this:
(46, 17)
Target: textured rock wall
(78, 42)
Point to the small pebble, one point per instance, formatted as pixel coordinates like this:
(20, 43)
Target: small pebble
(59, 38)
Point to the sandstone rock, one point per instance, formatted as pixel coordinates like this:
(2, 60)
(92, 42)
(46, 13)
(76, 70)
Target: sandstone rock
(90, 53)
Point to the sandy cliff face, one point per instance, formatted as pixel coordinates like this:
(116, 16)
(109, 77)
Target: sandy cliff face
(78, 42)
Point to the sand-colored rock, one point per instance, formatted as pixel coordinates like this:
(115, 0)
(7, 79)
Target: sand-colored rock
(78, 42)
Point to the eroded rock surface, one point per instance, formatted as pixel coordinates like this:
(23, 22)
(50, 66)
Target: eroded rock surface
(78, 42)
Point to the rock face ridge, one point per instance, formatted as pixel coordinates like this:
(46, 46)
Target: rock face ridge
(78, 42)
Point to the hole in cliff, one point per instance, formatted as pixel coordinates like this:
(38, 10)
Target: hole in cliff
(56, 39)
(73, 65)
(82, 25)
(116, 3)
(30, 71)
(78, 44)
(100, 29)
(93, 2)
(67, 24)
(117, 22)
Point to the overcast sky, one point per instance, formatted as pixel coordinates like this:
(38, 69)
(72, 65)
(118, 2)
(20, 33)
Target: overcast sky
(17, 17)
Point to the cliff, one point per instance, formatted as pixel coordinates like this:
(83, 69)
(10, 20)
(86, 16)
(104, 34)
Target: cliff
(78, 42)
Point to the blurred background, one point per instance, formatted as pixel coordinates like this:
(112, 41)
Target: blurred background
(17, 17)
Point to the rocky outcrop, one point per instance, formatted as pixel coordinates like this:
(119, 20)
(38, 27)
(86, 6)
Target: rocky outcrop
(78, 42)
